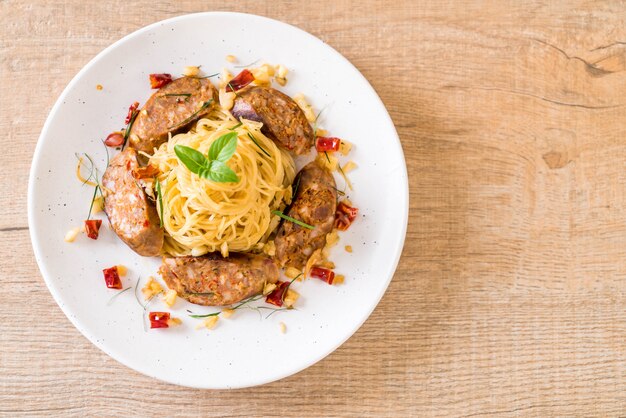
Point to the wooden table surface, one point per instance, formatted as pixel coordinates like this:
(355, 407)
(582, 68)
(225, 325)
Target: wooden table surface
(509, 299)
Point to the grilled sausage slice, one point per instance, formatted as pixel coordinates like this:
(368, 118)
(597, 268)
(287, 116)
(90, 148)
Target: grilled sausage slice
(133, 217)
(213, 280)
(315, 203)
(170, 110)
(282, 118)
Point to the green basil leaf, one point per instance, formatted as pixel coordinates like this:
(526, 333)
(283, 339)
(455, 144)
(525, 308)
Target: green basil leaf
(193, 160)
(221, 173)
(223, 147)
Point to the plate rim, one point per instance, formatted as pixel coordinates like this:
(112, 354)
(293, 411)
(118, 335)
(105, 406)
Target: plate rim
(37, 154)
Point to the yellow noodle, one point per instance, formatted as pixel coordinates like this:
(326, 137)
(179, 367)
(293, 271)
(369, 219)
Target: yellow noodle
(199, 214)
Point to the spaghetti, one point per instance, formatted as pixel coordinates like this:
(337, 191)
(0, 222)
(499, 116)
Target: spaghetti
(201, 216)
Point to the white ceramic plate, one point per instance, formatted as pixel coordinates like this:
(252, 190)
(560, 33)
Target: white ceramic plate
(244, 350)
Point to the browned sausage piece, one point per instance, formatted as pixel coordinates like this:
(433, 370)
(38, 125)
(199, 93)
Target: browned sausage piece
(172, 108)
(314, 204)
(133, 217)
(213, 280)
(282, 118)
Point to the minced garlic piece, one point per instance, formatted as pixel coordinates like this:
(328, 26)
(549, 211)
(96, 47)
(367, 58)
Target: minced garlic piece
(172, 322)
(348, 202)
(269, 248)
(283, 327)
(224, 249)
(191, 71)
(332, 238)
(344, 147)
(315, 258)
(269, 69)
(208, 323)
(321, 132)
(305, 106)
(225, 78)
(151, 288)
(348, 248)
(261, 76)
(121, 270)
(349, 166)
(170, 297)
(327, 264)
(339, 279)
(292, 272)
(71, 235)
(290, 298)
(98, 204)
(281, 71)
(227, 99)
(231, 58)
(227, 312)
(328, 160)
(268, 288)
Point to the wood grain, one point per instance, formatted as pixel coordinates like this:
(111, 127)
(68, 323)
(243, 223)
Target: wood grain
(509, 299)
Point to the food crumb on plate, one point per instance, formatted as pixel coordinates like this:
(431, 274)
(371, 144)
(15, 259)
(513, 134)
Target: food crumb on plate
(170, 297)
(227, 312)
(339, 279)
(231, 58)
(191, 71)
(99, 87)
(348, 248)
(151, 289)
(71, 235)
(208, 323)
(172, 322)
(283, 327)
(121, 270)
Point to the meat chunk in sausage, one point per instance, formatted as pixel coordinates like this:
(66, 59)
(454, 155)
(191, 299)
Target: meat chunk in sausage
(314, 203)
(171, 109)
(132, 215)
(282, 118)
(213, 280)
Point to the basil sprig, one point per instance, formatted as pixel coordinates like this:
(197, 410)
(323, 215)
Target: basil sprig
(212, 167)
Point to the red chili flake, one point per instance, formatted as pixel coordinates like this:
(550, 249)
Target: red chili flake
(144, 172)
(324, 143)
(159, 319)
(324, 274)
(159, 80)
(131, 111)
(92, 226)
(112, 278)
(114, 140)
(344, 216)
(278, 295)
(240, 81)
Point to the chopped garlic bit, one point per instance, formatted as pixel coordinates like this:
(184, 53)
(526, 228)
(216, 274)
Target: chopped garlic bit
(281, 71)
(98, 204)
(269, 248)
(349, 166)
(172, 322)
(121, 270)
(290, 298)
(332, 238)
(315, 258)
(231, 58)
(225, 78)
(328, 160)
(208, 323)
(268, 288)
(227, 312)
(339, 279)
(227, 99)
(224, 249)
(327, 264)
(292, 272)
(348, 248)
(191, 71)
(305, 106)
(261, 75)
(151, 288)
(345, 147)
(321, 132)
(283, 327)
(170, 297)
(71, 235)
